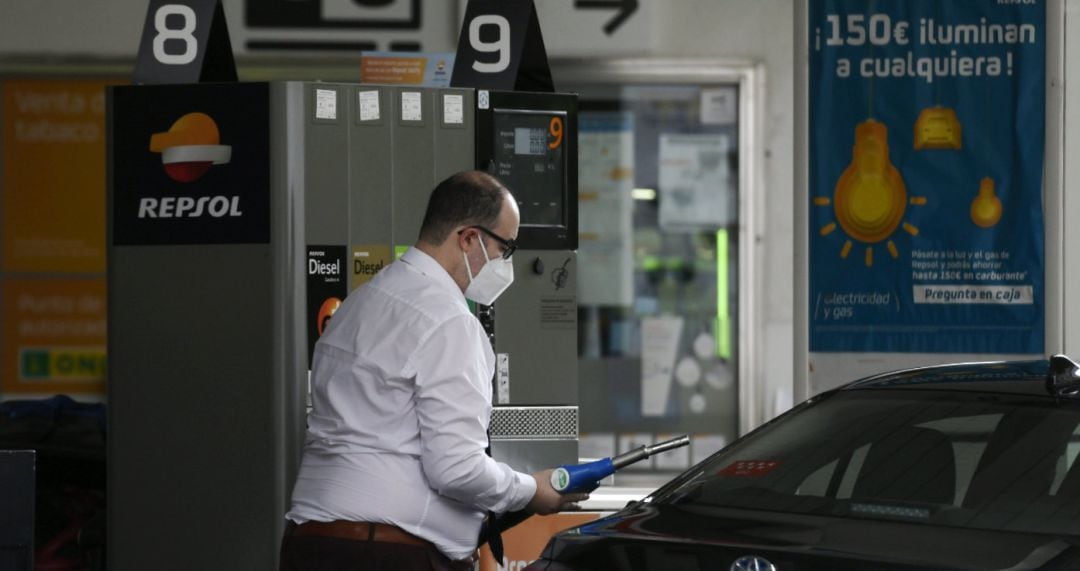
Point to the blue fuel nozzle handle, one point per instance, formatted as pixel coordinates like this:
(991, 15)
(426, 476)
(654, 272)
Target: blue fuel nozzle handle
(578, 478)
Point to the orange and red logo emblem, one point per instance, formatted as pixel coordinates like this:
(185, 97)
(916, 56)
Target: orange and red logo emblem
(190, 147)
(329, 307)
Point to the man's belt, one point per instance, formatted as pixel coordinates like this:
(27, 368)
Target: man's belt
(361, 531)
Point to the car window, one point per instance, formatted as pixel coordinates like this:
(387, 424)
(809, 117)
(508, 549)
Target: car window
(1066, 461)
(956, 459)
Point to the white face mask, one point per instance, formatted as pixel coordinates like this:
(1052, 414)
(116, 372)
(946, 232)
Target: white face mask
(491, 281)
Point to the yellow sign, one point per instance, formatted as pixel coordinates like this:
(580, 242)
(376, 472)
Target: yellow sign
(61, 363)
(53, 183)
(54, 336)
(393, 70)
(432, 69)
(366, 262)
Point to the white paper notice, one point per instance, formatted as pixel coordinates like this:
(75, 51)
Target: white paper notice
(659, 343)
(605, 209)
(325, 104)
(369, 105)
(502, 376)
(718, 106)
(453, 109)
(412, 108)
(696, 189)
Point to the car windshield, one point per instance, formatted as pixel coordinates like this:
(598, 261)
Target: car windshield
(972, 460)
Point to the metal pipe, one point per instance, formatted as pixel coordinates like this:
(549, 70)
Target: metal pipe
(642, 452)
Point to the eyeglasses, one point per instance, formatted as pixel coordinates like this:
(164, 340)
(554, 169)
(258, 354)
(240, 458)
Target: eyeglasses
(508, 245)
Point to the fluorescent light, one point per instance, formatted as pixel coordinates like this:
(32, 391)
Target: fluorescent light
(643, 193)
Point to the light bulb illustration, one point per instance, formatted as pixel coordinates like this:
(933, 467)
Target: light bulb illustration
(986, 208)
(938, 128)
(870, 197)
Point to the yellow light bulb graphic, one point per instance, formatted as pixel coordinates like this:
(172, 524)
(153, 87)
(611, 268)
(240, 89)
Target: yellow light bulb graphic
(870, 198)
(986, 208)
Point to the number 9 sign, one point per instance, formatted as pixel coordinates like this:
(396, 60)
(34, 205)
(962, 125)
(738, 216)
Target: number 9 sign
(501, 45)
(499, 39)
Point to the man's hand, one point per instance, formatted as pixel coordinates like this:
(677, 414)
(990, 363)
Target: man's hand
(547, 500)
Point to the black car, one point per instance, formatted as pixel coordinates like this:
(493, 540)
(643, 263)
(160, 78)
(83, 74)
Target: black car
(969, 466)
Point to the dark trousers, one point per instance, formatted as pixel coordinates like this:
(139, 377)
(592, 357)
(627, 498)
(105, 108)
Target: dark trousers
(319, 553)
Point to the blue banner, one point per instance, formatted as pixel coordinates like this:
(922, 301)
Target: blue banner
(926, 159)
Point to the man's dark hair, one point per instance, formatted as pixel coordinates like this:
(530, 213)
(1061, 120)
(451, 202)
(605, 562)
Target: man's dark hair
(469, 198)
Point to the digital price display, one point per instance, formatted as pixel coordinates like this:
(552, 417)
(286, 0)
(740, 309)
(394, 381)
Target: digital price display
(529, 157)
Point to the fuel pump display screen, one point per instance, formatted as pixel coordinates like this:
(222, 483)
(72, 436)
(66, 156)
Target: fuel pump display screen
(529, 158)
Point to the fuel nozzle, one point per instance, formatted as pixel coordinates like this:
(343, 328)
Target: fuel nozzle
(577, 478)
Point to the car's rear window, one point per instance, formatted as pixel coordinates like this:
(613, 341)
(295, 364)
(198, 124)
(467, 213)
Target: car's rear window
(957, 459)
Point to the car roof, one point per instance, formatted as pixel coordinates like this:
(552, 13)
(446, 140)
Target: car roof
(1010, 377)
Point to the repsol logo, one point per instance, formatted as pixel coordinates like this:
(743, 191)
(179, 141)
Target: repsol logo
(188, 207)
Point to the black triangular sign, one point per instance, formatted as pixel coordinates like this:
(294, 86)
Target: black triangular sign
(534, 73)
(185, 41)
(219, 64)
(501, 47)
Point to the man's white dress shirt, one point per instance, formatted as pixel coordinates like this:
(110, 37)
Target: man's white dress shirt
(401, 396)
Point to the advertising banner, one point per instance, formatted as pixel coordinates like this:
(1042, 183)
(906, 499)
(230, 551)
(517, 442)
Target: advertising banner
(54, 336)
(53, 184)
(397, 68)
(925, 162)
(52, 218)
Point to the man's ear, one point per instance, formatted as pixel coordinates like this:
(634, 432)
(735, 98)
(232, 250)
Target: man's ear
(465, 238)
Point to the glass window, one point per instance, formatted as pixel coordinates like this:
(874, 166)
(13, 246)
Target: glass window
(953, 459)
(658, 260)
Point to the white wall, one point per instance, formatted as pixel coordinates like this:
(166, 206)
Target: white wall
(760, 31)
(90, 28)
(1071, 167)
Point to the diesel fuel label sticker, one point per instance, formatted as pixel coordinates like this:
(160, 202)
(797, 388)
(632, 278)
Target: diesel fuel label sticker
(367, 261)
(326, 289)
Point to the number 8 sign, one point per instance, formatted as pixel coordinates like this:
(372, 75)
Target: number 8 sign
(501, 48)
(184, 41)
(164, 33)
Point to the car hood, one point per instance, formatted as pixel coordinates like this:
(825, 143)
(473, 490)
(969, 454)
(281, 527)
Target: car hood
(655, 536)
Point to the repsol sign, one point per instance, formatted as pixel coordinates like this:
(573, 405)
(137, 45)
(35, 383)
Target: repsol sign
(189, 207)
(190, 164)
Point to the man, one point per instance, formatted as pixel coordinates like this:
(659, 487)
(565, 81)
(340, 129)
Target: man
(394, 473)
